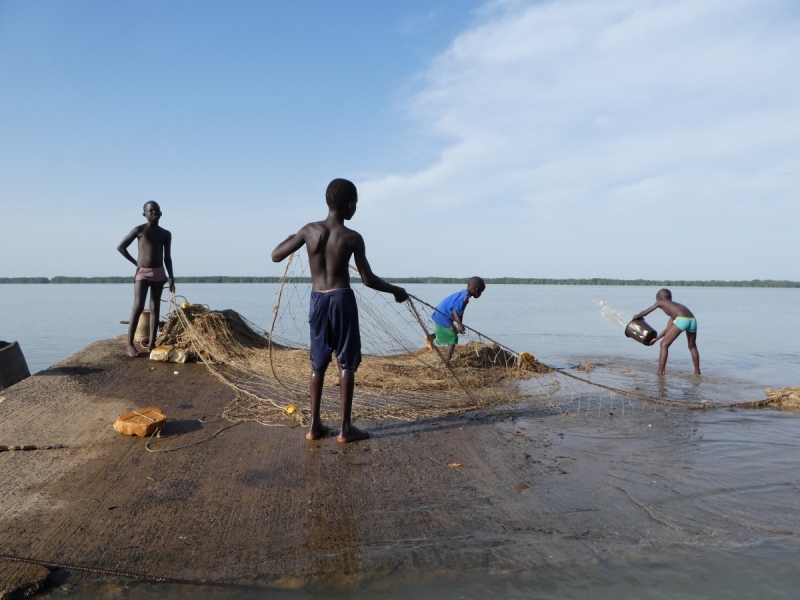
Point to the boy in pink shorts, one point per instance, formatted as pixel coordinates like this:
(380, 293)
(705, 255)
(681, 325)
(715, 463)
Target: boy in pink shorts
(154, 254)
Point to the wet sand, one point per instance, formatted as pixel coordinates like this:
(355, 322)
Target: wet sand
(262, 506)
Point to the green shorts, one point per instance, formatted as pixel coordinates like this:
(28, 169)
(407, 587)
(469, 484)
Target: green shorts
(445, 336)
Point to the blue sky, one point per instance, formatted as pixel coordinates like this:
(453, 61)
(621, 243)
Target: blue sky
(579, 138)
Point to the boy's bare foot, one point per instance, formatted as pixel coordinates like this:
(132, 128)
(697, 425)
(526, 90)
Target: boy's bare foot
(354, 434)
(317, 433)
(130, 350)
(429, 341)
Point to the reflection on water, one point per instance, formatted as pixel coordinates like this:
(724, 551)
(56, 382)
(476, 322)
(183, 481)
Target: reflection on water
(767, 571)
(640, 376)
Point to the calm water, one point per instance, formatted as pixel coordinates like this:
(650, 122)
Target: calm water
(768, 572)
(748, 334)
(748, 340)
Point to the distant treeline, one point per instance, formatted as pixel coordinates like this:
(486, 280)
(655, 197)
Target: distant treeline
(755, 283)
(219, 279)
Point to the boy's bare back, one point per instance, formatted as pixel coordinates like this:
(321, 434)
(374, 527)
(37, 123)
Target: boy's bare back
(673, 309)
(330, 246)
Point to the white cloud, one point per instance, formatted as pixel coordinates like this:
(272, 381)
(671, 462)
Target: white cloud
(604, 138)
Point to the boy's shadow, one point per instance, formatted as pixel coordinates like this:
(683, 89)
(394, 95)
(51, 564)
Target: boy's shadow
(69, 371)
(181, 426)
(455, 421)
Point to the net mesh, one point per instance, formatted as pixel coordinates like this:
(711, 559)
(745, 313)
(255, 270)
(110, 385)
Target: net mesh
(399, 377)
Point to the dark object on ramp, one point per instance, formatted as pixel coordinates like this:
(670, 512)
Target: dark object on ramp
(639, 330)
(13, 367)
(20, 580)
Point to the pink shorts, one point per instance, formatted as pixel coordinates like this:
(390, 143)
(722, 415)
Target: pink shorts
(154, 275)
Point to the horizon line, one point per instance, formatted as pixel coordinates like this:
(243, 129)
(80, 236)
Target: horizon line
(598, 281)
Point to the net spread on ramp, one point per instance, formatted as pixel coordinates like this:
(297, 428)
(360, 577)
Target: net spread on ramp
(399, 378)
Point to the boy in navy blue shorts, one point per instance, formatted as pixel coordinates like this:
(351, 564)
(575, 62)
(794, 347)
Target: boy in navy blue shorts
(333, 315)
(448, 314)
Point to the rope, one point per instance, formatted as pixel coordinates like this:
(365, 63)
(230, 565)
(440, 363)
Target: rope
(211, 437)
(275, 309)
(145, 416)
(197, 342)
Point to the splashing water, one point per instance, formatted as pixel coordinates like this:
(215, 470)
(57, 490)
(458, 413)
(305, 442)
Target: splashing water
(611, 314)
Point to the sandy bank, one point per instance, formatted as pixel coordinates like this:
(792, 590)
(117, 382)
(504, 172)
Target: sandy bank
(261, 505)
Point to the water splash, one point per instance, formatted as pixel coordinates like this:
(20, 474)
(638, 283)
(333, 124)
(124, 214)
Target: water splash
(611, 314)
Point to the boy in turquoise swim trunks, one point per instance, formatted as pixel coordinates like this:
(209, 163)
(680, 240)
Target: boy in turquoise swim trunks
(681, 319)
(448, 314)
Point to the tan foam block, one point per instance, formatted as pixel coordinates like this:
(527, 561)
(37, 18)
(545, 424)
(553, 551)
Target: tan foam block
(161, 353)
(181, 355)
(142, 422)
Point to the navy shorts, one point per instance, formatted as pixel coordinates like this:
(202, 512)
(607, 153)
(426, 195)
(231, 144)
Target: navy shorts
(334, 328)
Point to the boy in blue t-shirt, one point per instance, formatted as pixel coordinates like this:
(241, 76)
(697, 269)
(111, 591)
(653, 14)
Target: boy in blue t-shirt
(448, 314)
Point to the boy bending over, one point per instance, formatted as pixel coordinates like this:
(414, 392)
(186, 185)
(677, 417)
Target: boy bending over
(681, 319)
(448, 314)
(333, 316)
(154, 254)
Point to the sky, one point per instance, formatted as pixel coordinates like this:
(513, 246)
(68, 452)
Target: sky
(574, 138)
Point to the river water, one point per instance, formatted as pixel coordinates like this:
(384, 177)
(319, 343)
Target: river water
(746, 333)
(734, 474)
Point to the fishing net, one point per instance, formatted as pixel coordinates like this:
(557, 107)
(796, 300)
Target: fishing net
(399, 377)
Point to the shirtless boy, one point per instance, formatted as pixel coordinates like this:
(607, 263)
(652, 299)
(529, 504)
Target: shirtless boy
(154, 254)
(681, 319)
(448, 314)
(333, 316)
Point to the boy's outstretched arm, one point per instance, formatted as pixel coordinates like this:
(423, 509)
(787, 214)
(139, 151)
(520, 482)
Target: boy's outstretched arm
(127, 241)
(168, 261)
(644, 313)
(370, 279)
(293, 243)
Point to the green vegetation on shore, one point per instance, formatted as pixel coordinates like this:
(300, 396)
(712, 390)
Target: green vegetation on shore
(755, 283)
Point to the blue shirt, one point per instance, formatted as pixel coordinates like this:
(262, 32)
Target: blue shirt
(457, 302)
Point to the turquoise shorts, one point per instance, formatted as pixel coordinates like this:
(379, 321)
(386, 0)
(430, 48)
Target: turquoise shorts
(688, 324)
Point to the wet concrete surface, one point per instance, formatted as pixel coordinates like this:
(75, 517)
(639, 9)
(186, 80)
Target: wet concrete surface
(262, 506)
